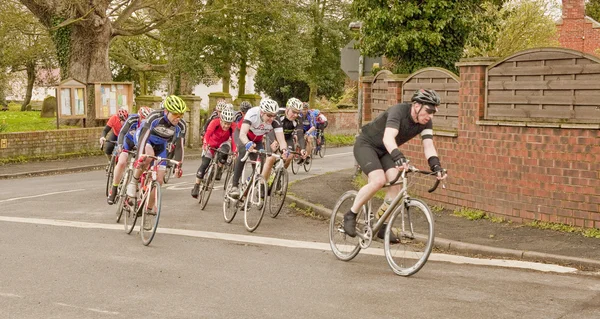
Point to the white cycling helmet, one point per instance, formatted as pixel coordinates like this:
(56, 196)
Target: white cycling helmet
(294, 103)
(227, 115)
(269, 106)
(220, 105)
(228, 106)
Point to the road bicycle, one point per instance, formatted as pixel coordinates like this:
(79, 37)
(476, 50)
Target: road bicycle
(298, 161)
(120, 197)
(140, 205)
(320, 146)
(228, 169)
(253, 197)
(207, 183)
(410, 219)
(170, 170)
(278, 185)
(110, 168)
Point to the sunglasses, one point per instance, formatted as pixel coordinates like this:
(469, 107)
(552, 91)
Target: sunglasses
(295, 112)
(177, 115)
(430, 109)
(270, 115)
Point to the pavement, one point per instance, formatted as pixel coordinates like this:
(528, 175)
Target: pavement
(547, 248)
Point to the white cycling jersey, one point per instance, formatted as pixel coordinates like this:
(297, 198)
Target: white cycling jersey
(259, 128)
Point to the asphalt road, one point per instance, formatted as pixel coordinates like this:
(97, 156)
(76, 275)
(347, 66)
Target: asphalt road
(62, 256)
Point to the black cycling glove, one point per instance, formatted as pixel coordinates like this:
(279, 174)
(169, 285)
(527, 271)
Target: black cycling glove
(398, 157)
(434, 164)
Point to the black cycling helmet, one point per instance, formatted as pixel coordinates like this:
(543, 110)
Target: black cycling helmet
(429, 97)
(245, 106)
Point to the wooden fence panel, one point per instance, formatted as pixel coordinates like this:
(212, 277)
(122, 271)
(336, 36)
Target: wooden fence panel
(544, 85)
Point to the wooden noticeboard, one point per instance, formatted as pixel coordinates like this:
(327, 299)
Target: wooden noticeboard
(71, 98)
(110, 96)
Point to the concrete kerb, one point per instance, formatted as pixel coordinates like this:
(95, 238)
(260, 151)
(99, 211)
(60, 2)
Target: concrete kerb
(474, 249)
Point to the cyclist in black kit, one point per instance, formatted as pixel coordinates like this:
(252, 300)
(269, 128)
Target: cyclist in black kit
(289, 119)
(376, 150)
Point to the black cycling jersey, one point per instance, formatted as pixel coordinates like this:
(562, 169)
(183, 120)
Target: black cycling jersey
(398, 117)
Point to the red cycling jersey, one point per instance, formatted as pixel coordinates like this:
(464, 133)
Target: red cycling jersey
(115, 124)
(215, 135)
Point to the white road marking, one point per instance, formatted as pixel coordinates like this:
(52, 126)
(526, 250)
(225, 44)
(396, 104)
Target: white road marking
(294, 244)
(89, 309)
(40, 195)
(9, 295)
(338, 154)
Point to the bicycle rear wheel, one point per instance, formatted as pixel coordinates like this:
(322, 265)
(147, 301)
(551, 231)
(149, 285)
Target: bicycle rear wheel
(109, 174)
(343, 246)
(277, 192)
(150, 215)
(412, 222)
(207, 186)
(254, 205)
(230, 205)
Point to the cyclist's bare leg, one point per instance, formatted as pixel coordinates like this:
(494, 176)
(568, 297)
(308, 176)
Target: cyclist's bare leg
(287, 162)
(309, 144)
(376, 180)
(267, 167)
(120, 168)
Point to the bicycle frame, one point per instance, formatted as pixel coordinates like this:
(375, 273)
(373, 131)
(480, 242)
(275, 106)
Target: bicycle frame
(402, 197)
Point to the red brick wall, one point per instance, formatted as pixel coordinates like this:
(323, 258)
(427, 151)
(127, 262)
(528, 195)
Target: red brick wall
(517, 172)
(50, 142)
(576, 31)
(342, 122)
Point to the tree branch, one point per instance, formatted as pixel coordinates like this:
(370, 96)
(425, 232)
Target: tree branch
(42, 10)
(72, 20)
(127, 59)
(126, 13)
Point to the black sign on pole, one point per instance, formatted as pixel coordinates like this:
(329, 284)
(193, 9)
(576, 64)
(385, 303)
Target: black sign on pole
(349, 61)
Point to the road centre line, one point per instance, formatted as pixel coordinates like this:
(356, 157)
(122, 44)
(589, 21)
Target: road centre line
(40, 195)
(293, 244)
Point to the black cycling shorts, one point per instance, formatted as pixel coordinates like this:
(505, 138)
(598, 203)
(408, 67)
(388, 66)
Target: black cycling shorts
(370, 158)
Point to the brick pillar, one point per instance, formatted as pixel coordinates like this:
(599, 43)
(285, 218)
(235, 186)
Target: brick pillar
(150, 101)
(367, 82)
(192, 117)
(471, 93)
(395, 83)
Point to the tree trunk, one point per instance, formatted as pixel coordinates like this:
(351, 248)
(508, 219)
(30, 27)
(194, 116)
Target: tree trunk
(30, 66)
(312, 97)
(227, 79)
(242, 77)
(143, 83)
(88, 58)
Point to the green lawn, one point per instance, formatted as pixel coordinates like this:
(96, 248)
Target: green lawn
(16, 121)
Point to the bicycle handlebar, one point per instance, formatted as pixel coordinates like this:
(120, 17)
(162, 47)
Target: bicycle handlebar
(412, 169)
(159, 159)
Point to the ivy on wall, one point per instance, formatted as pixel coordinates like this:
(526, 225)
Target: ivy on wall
(61, 38)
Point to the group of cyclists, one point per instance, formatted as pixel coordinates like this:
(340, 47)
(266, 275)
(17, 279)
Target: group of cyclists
(280, 130)
(162, 132)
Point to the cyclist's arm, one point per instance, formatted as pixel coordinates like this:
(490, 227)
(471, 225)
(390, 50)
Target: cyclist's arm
(389, 139)
(300, 137)
(210, 130)
(125, 130)
(280, 138)
(105, 131)
(244, 133)
(429, 148)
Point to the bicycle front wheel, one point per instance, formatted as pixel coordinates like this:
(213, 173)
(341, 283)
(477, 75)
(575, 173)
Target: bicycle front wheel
(343, 246)
(254, 206)
(230, 205)
(308, 165)
(277, 192)
(150, 214)
(168, 173)
(121, 194)
(322, 148)
(228, 172)
(206, 186)
(295, 165)
(130, 210)
(412, 223)
(109, 174)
